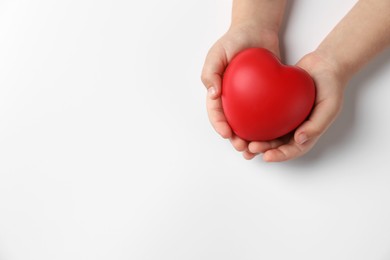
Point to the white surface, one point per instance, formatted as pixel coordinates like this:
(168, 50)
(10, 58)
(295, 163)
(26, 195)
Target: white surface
(106, 151)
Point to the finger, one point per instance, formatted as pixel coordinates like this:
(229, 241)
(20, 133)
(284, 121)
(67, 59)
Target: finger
(261, 147)
(217, 117)
(213, 69)
(248, 155)
(321, 118)
(238, 143)
(288, 151)
(307, 134)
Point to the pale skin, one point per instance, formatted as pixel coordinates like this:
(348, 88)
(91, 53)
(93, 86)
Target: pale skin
(361, 35)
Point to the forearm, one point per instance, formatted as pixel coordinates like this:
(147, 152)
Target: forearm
(260, 14)
(360, 35)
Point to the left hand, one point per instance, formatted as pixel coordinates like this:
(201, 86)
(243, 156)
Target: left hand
(239, 37)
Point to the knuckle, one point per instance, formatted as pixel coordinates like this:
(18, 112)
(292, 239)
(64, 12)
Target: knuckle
(252, 148)
(238, 144)
(239, 147)
(205, 79)
(316, 131)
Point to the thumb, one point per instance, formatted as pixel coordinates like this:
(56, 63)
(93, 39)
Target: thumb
(212, 72)
(322, 116)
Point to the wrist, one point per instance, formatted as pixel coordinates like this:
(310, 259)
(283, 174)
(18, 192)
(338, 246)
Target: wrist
(334, 66)
(256, 35)
(258, 14)
(319, 66)
(251, 25)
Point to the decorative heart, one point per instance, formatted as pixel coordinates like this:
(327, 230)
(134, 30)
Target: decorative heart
(262, 98)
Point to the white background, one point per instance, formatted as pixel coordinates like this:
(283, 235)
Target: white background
(106, 151)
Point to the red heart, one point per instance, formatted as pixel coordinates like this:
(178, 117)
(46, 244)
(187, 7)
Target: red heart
(262, 98)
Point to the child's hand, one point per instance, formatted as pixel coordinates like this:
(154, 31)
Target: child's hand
(235, 40)
(329, 97)
(341, 54)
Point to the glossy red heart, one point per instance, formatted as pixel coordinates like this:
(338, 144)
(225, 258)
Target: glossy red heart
(262, 98)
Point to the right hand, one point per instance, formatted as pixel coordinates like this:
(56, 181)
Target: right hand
(330, 83)
(236, 39)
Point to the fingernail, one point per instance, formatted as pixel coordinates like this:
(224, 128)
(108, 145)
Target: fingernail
(302, 138)
(212, 91)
